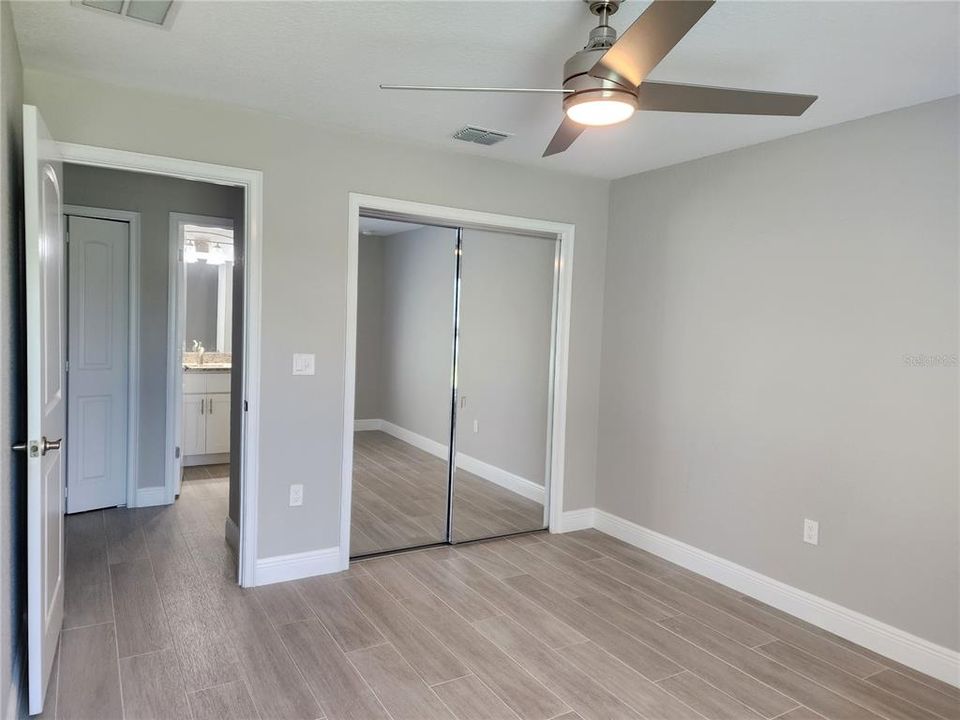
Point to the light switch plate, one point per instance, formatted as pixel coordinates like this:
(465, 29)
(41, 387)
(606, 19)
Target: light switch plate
(303, 363)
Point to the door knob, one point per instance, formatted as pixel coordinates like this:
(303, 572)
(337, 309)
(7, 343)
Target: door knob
(47, 445)
(38, 449)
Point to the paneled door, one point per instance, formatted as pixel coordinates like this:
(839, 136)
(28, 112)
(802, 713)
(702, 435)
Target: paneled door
(98, 252)
(45, 285)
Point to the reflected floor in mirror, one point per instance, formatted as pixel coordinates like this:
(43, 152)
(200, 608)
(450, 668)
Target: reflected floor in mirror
(400, 499)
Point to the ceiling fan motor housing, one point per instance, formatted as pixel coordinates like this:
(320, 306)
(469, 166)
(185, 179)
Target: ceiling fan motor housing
(576, 70)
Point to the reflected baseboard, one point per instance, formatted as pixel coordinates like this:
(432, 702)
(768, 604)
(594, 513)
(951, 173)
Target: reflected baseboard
(498, 476)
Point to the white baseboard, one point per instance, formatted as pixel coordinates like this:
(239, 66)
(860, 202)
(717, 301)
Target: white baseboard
(148, 497)
(904, 647)
(281, 568)
(231, 534)
(572, 520)
(498, 476)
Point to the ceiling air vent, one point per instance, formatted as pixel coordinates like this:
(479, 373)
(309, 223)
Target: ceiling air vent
(480, 136)
(158, 13)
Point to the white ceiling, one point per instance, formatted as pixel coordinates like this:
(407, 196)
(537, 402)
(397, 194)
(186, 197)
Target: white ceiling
(322, 62)
(378, 226)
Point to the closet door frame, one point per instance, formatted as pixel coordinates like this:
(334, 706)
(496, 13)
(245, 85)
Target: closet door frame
(425, 213)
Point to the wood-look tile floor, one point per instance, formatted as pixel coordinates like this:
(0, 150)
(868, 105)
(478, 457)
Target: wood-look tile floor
(534, 627)
(400, 499)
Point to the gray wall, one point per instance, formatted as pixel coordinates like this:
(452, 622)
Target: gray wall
(308, 172)
(419, 269)
(367, 399)
(154, 197)
(12, 420)
(761, 312)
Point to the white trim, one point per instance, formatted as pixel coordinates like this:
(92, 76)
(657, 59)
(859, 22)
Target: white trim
(573, 520)
(366, 425)
(148, 497)
(252, 183)
(565, 233)
(915, 652)
(231, 533)
(133, 335)
(282, 568)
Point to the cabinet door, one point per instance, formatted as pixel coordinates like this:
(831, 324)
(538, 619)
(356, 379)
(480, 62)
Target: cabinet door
(218, 423)
(194, 425)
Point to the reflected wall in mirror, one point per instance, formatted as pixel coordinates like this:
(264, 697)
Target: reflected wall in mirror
(405, 317)
(208, 254)
(504, 383)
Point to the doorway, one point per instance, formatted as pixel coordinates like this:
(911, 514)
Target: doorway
(456, 368)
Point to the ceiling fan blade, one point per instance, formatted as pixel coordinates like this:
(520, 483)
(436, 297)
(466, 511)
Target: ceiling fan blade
(564, 137)
(453, 88)
(677, 97)
(645, 43)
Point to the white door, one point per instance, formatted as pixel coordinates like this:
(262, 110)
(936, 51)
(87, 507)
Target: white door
(218, 423)
(98, 351)
(194, 425)
(46, 398)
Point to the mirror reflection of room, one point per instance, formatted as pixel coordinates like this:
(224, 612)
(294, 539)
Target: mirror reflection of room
(419, 288)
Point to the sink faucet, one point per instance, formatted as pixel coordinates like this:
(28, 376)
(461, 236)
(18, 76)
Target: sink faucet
(199, 350)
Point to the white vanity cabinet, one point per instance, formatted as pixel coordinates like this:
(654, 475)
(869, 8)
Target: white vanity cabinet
(206, 414)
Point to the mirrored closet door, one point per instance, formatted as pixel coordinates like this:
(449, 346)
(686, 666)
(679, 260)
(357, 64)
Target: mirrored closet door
(454, 384)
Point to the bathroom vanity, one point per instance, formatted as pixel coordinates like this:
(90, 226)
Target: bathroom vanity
(206, 415)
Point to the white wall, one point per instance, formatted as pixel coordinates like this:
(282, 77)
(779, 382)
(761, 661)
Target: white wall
(12, 421)
(308, 173)
(762, 308)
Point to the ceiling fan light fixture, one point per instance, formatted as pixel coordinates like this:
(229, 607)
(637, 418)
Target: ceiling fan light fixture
(598, 113)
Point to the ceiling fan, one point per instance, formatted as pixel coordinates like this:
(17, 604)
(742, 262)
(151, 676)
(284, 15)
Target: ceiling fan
(606, 82)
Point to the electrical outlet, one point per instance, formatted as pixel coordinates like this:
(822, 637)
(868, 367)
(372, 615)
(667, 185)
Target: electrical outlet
(476, 426)
(811, 531)
(296, 495)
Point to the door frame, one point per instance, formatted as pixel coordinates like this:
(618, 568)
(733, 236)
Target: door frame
(251, 181)
(133, 336)
(176, 334)
(458, 217)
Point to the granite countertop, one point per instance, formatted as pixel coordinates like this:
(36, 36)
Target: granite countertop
(212, 362)
(207, 367)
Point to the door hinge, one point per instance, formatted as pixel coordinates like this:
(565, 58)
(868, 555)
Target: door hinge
(67, 366)
(179, 254)
(246, 406)
(176, 453)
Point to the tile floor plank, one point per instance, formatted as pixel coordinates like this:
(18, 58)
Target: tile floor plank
(338, 687)
(584, 695)
(447, 587)
(519, 690)
(141, 620)
(282, 603)
(89, 682)
(707, 700)
(470, 699)
(153, 687)
(427, 655)
(917, 693)
(339, 615)
(230, 701)
(397, 685)
(801, 689)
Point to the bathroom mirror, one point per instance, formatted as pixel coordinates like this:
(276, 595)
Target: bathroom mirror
(208, 289)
